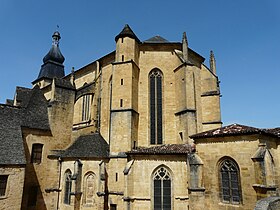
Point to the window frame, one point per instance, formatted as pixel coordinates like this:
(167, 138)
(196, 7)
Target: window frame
(156, 107)
(86, 188)
(3, 185)
(86, 105)
(67, 187)
(36, 153)
(162, 178)
(228, 174)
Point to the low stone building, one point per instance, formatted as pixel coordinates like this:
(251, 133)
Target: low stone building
(239, 165)
(119, 133)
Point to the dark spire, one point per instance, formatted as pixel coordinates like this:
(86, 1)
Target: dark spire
(53, 62)
(54, 54)
(127, 32)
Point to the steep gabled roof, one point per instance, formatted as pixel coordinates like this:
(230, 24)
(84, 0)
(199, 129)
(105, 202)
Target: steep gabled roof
(11, 144)
(36, 111)
(236, 129)
(31, 112)
(88, 146)
(163, 149)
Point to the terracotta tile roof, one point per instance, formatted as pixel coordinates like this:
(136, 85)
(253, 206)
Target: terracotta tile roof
(163, 149)
(273, 131)
(236, 129)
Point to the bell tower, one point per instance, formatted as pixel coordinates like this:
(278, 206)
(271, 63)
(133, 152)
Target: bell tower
(124, 101)
(53, 64)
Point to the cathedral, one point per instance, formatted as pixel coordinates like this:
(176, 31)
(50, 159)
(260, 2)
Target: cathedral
(139, 128)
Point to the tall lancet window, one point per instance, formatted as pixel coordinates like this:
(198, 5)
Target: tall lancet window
(86, 107)
(155, 78)
(162, 189)
(67, 187)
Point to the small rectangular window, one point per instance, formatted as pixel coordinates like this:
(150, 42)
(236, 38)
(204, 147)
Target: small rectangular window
(116, 177)
(113, 206)
(122, 57)
(181, 135)
(121, 103)
(121, 81)
(3, 184)
(36, 154)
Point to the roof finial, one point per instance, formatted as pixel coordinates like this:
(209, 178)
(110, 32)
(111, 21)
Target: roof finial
(72, 78)
(212, 62)
(185, 47)
(56, 36)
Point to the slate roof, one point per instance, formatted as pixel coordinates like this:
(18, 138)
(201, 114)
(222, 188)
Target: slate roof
(35, 114)
(127, 32)
(10, 102)
(163, 149)
(156, 39)
(88, 146)
(236, 129)
(11, 145)
(53, 62)
(31, 112)
(22, 96)
(59, 82)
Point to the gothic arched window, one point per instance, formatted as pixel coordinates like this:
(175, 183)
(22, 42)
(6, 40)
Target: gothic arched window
(89, 188)
(230, 182)
(155, 82)
(162, 189)
(67, 187)
(86, 107)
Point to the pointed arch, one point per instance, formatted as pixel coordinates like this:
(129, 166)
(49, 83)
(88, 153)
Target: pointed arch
(155, 103)
(162, 188)
(67, 186)
(229, 176)
(89, 188)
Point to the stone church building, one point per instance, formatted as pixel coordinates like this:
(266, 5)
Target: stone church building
(139, 128)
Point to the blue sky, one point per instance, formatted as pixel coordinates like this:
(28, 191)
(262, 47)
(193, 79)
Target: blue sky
(244, 35)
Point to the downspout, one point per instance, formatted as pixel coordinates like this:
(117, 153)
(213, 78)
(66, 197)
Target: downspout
(59, 182)
(110, 118)
(99, 96)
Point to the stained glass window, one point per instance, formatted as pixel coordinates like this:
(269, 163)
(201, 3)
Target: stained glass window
(230, 182)
(162, 189)
(67, 187)
(156, 107)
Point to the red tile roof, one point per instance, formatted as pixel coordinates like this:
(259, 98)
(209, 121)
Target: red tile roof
(164, 149)
(236, 129)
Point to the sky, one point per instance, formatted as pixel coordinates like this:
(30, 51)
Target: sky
(244, 35)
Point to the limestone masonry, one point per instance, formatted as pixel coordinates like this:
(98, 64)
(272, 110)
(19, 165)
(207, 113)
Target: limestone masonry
(137, 129)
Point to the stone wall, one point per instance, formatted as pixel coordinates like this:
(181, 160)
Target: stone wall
(14, 189)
